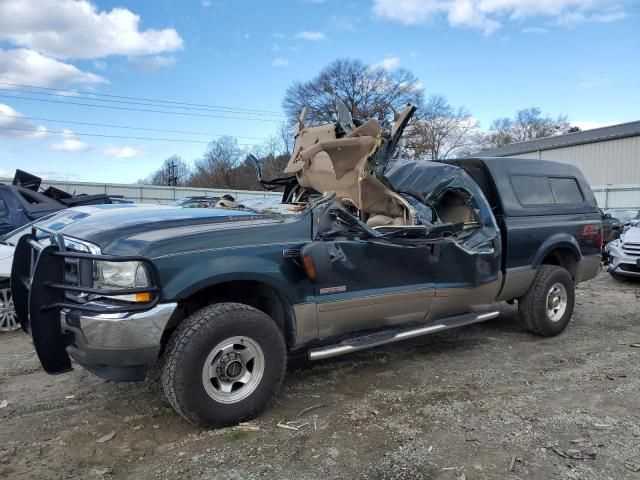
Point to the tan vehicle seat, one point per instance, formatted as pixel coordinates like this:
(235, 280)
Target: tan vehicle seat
(453, 209)
(380, 220)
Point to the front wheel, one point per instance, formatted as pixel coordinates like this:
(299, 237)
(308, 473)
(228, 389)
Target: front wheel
(223, 364)
(547, 307)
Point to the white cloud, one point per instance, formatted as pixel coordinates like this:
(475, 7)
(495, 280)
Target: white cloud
(535, 30)
(152, 63)
(591, 81)
(388, 63)
(55, 175)
(70, 143)
(489, 15)
(22, 66)
(206, 3)
(279, 62)
(66, 29)
(122, 152)
(345, 23)
(14, 125)
(574, 18)
(310, 36)
(590, 124)
(277, 35)
(100, 64)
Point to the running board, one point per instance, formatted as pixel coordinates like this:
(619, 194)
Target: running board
(382, 338)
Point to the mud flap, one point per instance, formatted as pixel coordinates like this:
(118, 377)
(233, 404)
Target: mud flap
(49, 341)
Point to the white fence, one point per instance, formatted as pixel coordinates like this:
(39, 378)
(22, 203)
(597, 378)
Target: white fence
(618, 196)
(608, 196)
(149, 193)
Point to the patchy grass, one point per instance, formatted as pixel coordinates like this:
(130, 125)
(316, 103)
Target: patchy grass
(236, 435)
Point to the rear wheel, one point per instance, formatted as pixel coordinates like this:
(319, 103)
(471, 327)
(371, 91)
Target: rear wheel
(223, 364)
(547, 307)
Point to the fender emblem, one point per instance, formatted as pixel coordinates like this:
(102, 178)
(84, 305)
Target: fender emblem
(341, 288)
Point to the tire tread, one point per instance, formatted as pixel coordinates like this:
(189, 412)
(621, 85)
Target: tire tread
(528, 306)
(180, 341)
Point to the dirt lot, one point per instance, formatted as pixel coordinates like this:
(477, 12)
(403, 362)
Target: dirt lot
(487, 401)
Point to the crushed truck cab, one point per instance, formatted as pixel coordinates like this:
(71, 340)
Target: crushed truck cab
(365, 248)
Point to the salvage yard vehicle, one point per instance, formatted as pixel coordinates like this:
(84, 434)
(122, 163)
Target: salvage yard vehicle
(366, 249)
(22, 202)
(626, 216)
(623, 255)
(611, 227)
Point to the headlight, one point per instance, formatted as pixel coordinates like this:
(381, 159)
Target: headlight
(114, 275)
(121, 275)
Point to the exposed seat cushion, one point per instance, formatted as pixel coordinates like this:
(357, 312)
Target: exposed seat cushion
(379, 220)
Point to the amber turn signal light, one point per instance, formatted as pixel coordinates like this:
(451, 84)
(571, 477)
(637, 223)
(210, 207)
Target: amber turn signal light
(143, 297)
(309, 267)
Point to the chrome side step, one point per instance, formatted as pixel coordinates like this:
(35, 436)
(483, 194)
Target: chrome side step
(382, 338)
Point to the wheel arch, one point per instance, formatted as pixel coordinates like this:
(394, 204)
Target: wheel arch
(249, 290)
(560, 250)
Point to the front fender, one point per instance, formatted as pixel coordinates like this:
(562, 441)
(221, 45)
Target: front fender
(182, 277)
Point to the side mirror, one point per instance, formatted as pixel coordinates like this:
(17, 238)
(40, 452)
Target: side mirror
(607, 216)
(316, 261)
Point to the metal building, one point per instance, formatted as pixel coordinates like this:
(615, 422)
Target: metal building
(609, 157)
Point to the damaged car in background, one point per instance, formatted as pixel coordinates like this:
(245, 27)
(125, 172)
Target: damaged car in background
(23, 201)
(622, 256)
(365, 249)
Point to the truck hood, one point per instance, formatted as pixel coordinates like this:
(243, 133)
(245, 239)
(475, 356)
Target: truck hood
(136, 232)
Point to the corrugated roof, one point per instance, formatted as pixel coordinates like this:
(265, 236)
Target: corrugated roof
(602, 134)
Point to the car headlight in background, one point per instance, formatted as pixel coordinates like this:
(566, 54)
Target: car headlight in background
(114, 275)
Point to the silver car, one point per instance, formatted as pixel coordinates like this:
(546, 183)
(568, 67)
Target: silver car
(624, 254)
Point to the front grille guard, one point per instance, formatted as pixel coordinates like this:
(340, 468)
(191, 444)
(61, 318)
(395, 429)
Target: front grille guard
(62, 253)
(39, 293)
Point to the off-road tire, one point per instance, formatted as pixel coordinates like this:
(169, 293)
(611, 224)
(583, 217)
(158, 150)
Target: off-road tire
(187, 352)
(532, 307)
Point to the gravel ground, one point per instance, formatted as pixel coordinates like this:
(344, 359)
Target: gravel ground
(486, 401)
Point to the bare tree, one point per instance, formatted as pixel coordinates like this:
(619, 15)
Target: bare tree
(528, 124)
(368, 92)
(441, 131)
(285, 138)
(216, 168)
(173, 168)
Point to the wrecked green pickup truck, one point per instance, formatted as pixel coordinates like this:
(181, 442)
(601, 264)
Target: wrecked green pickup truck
(365, 249)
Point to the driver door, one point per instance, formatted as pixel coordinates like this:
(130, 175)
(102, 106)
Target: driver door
(374, 283)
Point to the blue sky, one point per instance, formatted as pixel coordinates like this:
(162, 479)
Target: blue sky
(573, 57)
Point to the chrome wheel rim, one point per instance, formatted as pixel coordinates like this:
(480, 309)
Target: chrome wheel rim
(8, 317)
(233, 369)
(557, 300)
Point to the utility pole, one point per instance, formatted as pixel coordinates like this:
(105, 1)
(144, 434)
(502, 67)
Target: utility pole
(172, 173)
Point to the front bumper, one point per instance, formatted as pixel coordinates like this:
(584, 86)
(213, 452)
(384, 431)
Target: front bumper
(116, 346)
(113, 339)
(621, 263)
